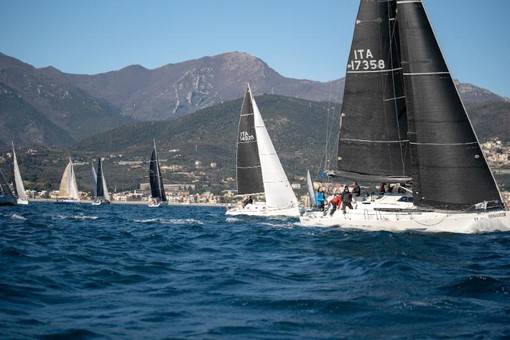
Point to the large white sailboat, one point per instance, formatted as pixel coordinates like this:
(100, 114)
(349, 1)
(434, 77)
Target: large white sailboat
(68, 191)
(19, 188)
(403, 121)
(259, 171)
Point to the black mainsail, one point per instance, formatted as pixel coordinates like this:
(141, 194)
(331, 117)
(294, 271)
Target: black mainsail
(155, 178)
(6, 195)
(249, 173)
(449, 168)
(101, 191)
(402, 117)
(373, 143)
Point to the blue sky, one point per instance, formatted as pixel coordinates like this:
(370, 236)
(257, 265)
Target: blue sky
(301, 39)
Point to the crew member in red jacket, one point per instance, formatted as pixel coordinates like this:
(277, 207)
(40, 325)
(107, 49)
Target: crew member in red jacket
(335, 203)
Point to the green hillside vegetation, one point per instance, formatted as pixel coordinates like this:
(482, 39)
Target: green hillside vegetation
(297, 127)
(303, 133)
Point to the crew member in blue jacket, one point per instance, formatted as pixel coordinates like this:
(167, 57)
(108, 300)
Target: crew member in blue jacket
(320, 198)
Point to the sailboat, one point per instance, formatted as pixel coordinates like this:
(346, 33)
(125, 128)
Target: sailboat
(158, 196)
(403, 121)
(101, 190)
(6, 195)
(259, 170)
(18, 182)
(68, 192)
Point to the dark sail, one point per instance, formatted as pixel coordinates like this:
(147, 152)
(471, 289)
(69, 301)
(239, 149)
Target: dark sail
(449, 168)
(249, 174)
(6, 196)
(373, 144)
(155, 178)
(99, 181)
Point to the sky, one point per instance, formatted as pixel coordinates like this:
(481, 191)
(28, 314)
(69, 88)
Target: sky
(302, 39)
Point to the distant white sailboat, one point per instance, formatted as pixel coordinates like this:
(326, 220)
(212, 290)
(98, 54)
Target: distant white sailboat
(18, 182)
(68, 192)
(259, 170)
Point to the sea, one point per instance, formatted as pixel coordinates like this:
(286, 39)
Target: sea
(191, 272)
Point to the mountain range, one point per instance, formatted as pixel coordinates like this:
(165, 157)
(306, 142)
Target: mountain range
(44, 106)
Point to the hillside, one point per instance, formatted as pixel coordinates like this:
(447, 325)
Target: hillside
(297, 128)
(304, 134)
(47, 107)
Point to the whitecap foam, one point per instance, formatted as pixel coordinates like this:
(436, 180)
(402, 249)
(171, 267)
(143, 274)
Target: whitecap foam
(18, 217)
(169, 221)
(74, 217)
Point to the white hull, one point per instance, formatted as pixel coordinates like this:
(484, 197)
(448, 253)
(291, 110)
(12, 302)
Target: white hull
(260, 209)
(101, 202)
(67, 201)
(370, 219)
(22, 202)
(157, 204)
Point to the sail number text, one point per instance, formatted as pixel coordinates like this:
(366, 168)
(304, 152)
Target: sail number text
(364, 60)
(246, 137)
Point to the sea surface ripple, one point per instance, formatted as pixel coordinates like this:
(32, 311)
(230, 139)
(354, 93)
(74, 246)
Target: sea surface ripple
(130, 271)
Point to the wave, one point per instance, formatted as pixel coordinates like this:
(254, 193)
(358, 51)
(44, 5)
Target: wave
(16, 217)
(80, 217)
(170, 221)
(476, 286)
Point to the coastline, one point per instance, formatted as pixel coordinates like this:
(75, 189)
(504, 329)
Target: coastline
(50, 200)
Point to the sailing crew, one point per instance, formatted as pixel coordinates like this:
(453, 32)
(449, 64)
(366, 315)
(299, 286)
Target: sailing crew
(356, 190)
(346, 199)
(247, 201)
(335, 203)
(320, 198)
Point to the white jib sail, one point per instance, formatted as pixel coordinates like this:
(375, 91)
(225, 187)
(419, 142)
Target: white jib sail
(20, 189)
(279, 193)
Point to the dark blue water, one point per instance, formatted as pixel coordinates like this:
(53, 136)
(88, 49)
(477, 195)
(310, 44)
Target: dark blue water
(128, 271)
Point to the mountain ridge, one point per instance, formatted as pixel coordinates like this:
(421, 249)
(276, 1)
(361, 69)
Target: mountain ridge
(62, 109)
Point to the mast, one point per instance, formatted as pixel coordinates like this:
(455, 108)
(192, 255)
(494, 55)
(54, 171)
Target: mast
(373, 145)
(449, 168)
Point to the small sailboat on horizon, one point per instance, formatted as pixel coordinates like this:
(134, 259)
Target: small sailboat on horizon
(259, 171)
(158, 196)
(19, 188)
(101, 195)
(68, 191)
